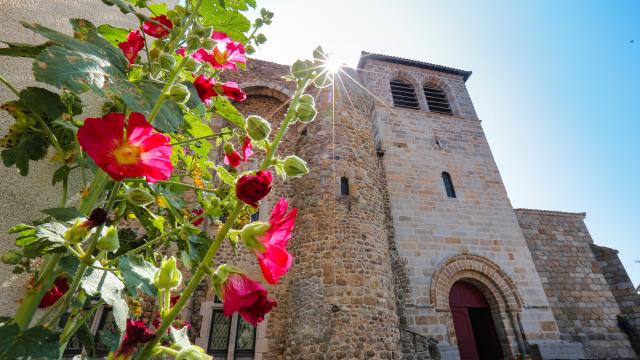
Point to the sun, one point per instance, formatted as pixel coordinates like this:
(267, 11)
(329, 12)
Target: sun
(333, 64)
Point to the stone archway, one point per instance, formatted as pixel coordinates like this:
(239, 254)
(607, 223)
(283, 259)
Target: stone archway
(496, 286)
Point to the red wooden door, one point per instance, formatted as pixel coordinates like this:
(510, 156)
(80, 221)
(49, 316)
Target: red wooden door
(475, 332)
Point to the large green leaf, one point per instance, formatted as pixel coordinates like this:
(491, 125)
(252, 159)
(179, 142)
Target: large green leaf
(223, 107)
(34, 343)
(113, 34)
(86, 31)
(230, 21)
(23, 50)
(64, 213)
(29, 147)
(39, 100)
(111, 289)
(138, 274)
(225, 176)
(169, 118)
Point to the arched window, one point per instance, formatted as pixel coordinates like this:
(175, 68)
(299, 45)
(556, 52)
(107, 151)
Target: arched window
(437, 99)
(448, 185)
(404, 95)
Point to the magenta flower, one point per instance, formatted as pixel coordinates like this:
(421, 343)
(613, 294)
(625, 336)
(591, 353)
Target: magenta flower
(136, 333)
(135, 151)
(226, 55)
(246, 296)
(231, 157)
(275, 261)
(252, 188)
(247, 149)
(157, 30)
(133, 45)
(208, 88)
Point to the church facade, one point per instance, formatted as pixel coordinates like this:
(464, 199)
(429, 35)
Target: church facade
(407, 246)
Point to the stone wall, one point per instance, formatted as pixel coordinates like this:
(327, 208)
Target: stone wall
(580, 296)
(430, 228)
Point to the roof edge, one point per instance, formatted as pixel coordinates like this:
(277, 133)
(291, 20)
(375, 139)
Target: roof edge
(364, 56)
(581, 215)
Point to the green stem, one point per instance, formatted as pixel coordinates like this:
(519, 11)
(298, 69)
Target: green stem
(203, 138)
(152, 242)
(29, 304)
(65, 187)
(64, 338)
(9, 85)
(176, 183)
(167, 350)
(202, 270)
(97, 185)
(52, 138)
(172, 78)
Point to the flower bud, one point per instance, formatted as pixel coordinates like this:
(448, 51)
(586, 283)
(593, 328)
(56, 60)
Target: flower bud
(109, 242)
(294, 166)
(77, 232)
(250, 233)
(206, 31)
(167, 61)
(208, 43)
(192, 352)
(168, 276)
(69, 98)
(139, 197)
(192, 65)
(193, 42)
(12, 257)
(179, 93)
(261, 39)
(302, 69)
(159, 43)
(258, 128)
(306, 112)
(154, 54)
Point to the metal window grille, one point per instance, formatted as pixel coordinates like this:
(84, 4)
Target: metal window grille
(404, 95)
(344, 186)
(230, 337)
(448, 185)
(437, 99)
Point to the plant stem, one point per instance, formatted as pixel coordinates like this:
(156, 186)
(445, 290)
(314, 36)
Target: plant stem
(172, 78)
(203, 138)
(167, 350)
(64, 338)
(202, 270)
(65, 186)
(176, 183)
(9, 85)
(98, 183)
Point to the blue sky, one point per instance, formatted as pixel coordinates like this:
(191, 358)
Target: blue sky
(556, 84)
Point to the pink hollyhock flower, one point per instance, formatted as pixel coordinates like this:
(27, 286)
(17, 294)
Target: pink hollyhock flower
(246, 296)
(252, 188)
(136, 333)
(133, 45)
(157, 30)
(207, 88)
(195, 212)
(275, 261)
(58, 289)
(226, 55)
(231, 157)
(135, 151)
(181, 51)
(247, 149)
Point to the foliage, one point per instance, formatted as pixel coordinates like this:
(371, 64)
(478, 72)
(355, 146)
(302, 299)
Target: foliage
(157, 124)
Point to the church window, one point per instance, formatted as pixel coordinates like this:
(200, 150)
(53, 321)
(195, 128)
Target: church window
(344, 186)
(437, 99)
(448, 185)
(404, 95)
(230, 337)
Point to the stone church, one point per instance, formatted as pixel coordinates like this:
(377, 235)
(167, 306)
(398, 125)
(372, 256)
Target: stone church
(407, 246)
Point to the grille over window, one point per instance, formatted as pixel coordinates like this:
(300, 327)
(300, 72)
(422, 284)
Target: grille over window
(404, 95)
(437, 99)
(448, 185)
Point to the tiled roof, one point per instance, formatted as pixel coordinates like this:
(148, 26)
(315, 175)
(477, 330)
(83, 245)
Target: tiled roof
(553, 212)
(425, 65)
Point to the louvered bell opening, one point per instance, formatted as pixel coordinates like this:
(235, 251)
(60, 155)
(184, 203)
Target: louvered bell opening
(404, 95)
(437, 100)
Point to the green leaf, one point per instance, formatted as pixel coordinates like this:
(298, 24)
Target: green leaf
(229, 20)
(138, 274)
(225, 176)
(169, 119)
(120, 4)
(111, 289)
(60, 174)
(194, 103)
(113, 34)
(109, 339)
(223, 107)
(64, 213)
(23, 50)
(180, 337)
(84, 30)
(34, 343)
(87, 338)
(42, 101)
(30, 147)
(158, 9)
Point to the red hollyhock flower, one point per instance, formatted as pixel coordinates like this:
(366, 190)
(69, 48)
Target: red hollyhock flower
(247, 149)
(133, 45)
(226, 55)
(59, 288)
(207, 88)
(275, 261)
(136, 333)
(157, 30)
(252, 188)
(195, 212)
(137, 151)
(231, 158)
(246, 296)
(181, 51)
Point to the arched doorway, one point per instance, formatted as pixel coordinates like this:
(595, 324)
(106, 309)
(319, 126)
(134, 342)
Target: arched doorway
(473, 323)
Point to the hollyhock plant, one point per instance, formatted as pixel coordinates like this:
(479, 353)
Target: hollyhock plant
(231, 156)
(58, 289)
(156, 30)
(275, 261)
(246, 296)
(136, 333)
(132, 46)
(252, 188)
(207, 88)
(226, 55)
(135, 151)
